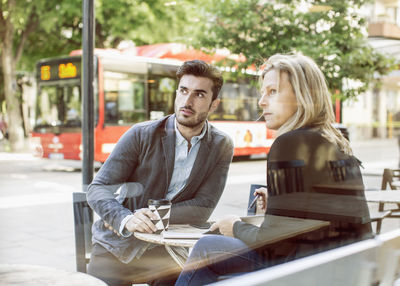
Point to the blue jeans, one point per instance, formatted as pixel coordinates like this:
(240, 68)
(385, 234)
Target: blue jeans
(218, 255)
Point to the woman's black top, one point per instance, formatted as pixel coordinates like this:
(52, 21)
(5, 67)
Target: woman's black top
(309, 177)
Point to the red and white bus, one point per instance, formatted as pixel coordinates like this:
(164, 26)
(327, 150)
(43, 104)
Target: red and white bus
(131, 88)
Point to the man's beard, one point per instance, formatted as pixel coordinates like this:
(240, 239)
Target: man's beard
(194, 121)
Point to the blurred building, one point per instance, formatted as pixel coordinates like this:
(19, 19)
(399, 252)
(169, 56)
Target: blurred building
(376, 114)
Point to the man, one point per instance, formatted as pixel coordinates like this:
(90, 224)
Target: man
(179, 157)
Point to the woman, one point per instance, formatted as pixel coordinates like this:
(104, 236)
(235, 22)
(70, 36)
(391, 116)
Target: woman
(296, 102)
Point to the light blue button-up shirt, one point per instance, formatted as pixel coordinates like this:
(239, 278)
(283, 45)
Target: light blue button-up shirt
(184, 161)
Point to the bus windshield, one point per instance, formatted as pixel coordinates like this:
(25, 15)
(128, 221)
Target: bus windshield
(58, 105)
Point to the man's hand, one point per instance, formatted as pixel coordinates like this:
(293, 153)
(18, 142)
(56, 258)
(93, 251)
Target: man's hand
(141, 221)
(225, 225)
(261, 206)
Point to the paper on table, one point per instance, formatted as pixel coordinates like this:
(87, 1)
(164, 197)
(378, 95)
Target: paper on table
(197, 233)
(182, 235)
(189, 233)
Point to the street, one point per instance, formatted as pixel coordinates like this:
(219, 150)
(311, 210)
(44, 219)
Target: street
(36, 200)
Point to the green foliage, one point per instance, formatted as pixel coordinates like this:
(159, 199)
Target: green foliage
(242, 26)
(54, 28)
(332, 32)
(59, 25)
(142, 21)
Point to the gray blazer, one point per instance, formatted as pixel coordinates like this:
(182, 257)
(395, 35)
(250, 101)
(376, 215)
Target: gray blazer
(142, 163)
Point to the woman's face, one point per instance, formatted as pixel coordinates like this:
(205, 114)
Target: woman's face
(278, 106)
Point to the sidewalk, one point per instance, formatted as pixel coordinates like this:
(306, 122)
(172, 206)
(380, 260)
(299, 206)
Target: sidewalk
(376, 155)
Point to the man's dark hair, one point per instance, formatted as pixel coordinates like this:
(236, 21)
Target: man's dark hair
(202, 69)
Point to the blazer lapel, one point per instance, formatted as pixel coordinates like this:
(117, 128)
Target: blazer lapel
(168, 144)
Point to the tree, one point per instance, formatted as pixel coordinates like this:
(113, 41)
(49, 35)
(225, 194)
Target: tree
(35, 29)
(332, 32)
(19, 20)
(143, 22)
(10, 55)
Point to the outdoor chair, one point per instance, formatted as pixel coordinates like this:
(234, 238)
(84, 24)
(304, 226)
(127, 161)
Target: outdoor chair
(391, 179)
(285, 177)
(378, 216)
(342, 171)
(83, 220)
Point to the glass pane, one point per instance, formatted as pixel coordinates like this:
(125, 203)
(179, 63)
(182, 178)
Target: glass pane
(162, 96)
(73, 104)
(59, 106)
(238, 102)
(124, 98)
(248, 96)
(47, 113)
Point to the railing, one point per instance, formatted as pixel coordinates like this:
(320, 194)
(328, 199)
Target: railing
(369, 262)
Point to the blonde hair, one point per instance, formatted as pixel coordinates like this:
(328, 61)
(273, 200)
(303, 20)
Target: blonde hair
(315, 108)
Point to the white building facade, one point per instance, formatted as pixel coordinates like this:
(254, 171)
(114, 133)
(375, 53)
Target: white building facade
(376, 114)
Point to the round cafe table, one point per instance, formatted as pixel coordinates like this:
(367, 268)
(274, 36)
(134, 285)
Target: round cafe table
(34, 275)
(179, 239)
(178, 248)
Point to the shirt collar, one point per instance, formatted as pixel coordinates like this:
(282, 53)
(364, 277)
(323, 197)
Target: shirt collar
(195, 139)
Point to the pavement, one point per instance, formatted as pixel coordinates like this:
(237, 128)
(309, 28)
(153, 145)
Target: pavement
(33, 232)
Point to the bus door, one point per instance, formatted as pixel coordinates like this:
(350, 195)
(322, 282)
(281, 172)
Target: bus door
(124, 105)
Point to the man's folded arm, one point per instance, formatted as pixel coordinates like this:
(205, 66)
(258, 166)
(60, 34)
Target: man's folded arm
(116, 170)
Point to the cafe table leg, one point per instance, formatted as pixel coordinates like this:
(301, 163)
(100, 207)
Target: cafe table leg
(178, 253)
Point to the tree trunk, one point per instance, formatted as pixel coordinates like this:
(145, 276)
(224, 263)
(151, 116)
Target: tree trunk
(15, 131)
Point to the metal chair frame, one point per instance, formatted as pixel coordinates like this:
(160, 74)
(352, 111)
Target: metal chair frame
(83, 221)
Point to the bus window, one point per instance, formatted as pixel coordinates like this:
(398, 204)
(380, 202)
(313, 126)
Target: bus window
(161, 96)
(248, 109)
(73, 105)
(238, 102)
(124, 98)
(225, 110)
(58, 106)
(46, 98)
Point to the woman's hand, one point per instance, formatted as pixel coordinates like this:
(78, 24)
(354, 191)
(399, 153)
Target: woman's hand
(225, 225)
(261, 206)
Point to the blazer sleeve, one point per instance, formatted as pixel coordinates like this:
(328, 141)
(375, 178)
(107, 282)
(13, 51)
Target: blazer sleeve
(252, 235)
(199, 207)
(247, 233)
(114, 172)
